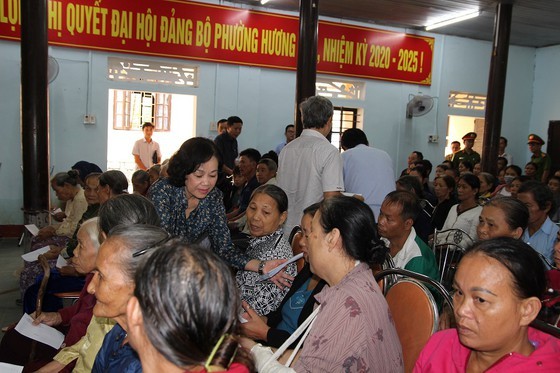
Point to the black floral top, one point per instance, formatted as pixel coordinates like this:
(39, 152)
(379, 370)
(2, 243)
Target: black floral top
(207, 220)
(265, 296)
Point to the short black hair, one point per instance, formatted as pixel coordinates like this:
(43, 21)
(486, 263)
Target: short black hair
(232, 120)
(353, 137)
(541, 194)
(409, 203)
(252, 154)
(288, 127)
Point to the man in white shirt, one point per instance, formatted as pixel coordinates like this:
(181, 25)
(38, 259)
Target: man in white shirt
(310, 167)
(146, 151)
(367, 171)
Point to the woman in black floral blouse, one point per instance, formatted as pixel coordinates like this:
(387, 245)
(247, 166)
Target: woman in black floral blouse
(190, 206)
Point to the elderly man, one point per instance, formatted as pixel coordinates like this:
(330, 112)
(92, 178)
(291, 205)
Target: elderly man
(310, 167)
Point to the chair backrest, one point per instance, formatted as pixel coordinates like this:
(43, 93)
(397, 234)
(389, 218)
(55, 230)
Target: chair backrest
(415, 314)
(414, 309)
(449, 246)
(295, 238)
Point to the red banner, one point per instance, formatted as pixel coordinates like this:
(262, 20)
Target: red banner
(188, 30)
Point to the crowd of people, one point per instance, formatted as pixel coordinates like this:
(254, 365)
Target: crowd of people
(173, 277)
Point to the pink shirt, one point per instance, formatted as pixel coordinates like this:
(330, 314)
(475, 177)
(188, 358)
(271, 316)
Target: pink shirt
(445, 353)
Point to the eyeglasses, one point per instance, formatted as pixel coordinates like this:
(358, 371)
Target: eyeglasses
(159, 243)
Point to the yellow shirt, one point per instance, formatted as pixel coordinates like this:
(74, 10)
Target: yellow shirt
(86, 349)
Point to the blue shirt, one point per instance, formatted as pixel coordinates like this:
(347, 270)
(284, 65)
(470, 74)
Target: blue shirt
(116, 357)
(292, 308)
(543, 239)
(207, 220)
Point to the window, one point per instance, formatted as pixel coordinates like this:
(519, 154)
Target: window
(132, 108)
(341, 89)
(343, 119)
(465, 100)
(143, 71)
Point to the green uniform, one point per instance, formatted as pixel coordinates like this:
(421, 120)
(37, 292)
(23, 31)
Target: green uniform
(543, 163)
(472, 157)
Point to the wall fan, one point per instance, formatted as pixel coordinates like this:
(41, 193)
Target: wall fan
(52, 69)
(419, 105)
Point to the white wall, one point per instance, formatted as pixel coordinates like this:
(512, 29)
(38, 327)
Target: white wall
(264, 99)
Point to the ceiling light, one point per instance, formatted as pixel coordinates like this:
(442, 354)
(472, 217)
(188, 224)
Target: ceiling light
(264, 2)
(450, 21)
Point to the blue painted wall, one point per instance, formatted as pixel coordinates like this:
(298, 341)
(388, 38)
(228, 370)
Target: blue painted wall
(264, 98)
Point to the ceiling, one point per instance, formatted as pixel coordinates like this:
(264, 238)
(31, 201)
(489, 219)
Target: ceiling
(535, 23)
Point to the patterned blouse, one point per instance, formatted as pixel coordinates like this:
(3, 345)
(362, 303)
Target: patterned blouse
(265, 296)
(353, 331)
(208, 220)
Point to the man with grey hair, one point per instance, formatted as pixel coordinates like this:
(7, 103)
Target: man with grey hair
(310, 167)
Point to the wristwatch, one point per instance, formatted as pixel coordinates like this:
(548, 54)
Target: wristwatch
(261, 267)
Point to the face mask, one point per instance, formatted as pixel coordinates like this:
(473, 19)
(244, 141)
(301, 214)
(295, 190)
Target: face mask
(508, 178)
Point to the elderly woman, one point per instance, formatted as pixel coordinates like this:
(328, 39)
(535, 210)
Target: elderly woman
(487, 187)
(353, 330)
(123, 210)
(68, 190)
(276, 327)
(464, 215)
(183, 316)
(266, 212)
(497, 288)
(113, 285)
(192, 208)
(502, 217)
(111, 184)
(73, 320)
(65, 279)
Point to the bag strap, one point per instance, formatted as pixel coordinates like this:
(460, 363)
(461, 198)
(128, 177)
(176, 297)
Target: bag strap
(304, 327)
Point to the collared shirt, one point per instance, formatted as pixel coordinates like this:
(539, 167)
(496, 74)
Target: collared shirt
(308, 166)
(145, 150)
(87, 347)
(279, 147)
(543, 163)
(368, 171)
(507, 156)
(227, 145)
(416, 256)
(472, 157)
(543, 239)
(207, 220)
(114, 356)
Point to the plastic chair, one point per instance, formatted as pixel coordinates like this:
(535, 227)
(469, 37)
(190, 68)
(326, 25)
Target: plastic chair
(414, 310)
(294, 239)
(449, 246)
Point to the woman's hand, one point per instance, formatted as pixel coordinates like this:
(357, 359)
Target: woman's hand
(247, 343)
(255, 327)
(53, 253)
(46, 232)
(47, 318)
(59, 216)
(281, 279)
(69, 271)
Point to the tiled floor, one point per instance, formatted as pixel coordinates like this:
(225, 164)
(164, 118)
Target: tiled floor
(10, 263)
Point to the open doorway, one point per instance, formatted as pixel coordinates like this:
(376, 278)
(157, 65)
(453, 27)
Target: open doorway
(458, 126)
(173, 115)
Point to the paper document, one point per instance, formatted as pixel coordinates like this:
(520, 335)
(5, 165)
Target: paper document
(32, 228)
(274, 271)
(41, 333)
(34, 255)
(61, 262)
(10, 368)
(55, 211)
